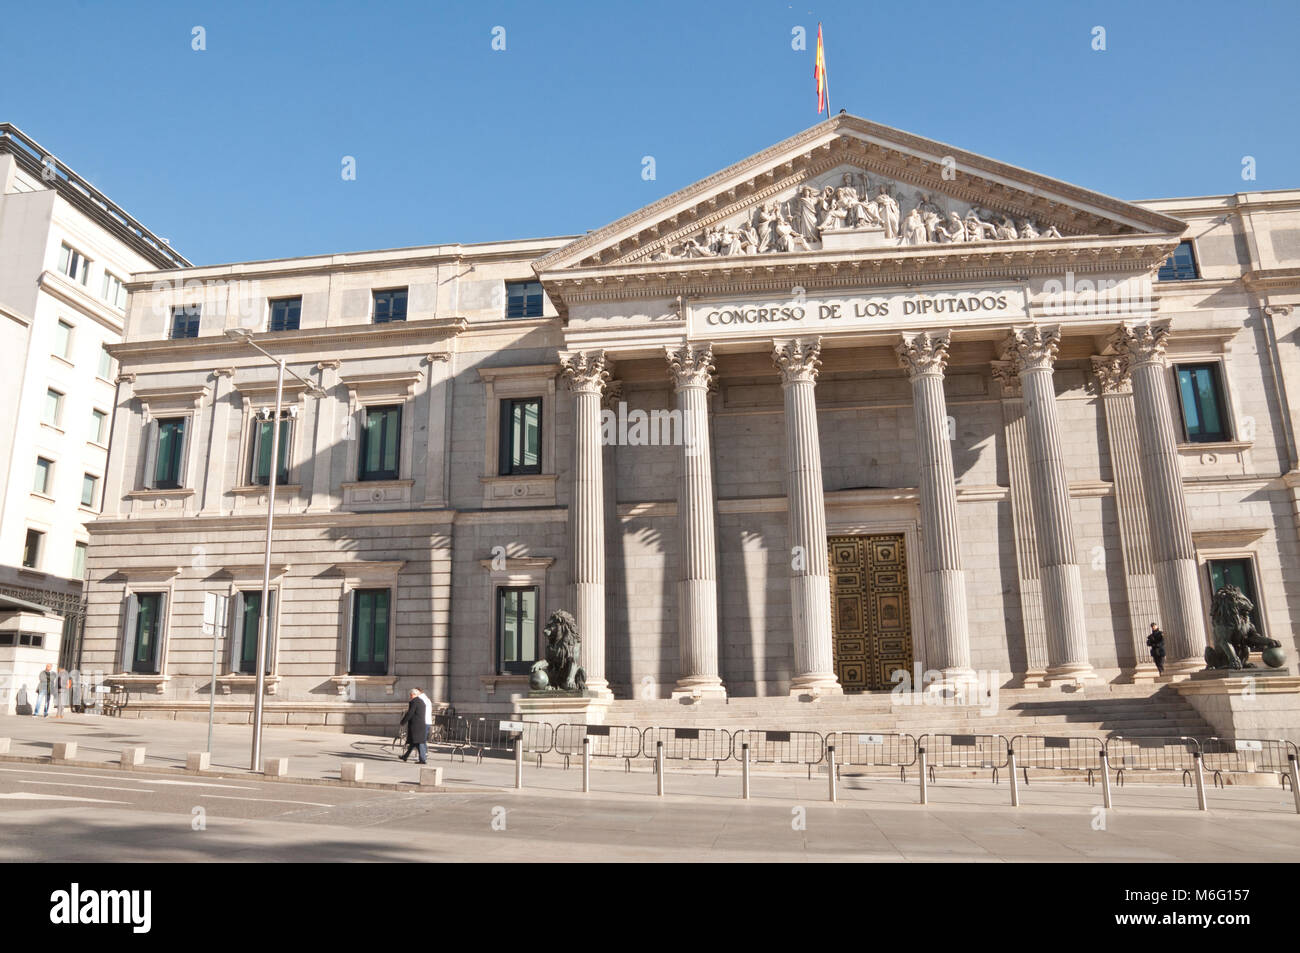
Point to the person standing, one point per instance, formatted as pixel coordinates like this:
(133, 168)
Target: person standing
(62, 682)
(46, 685)
(1156, 643)
(417, 721)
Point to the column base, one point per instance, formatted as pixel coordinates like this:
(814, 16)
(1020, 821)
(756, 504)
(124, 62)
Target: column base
(1076, 673)
(1182, 668)
(1034, 678)
(599, 688)
(815, 683)
(699, 686)
(1146, 674)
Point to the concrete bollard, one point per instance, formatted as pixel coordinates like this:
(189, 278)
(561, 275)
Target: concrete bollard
(1295, 781)
(830, 773)
(925, 795)
(198, 761)
(519, 763)
(659, 767)
(352, 772)
(64, 751)
(744, 771)
(133, 757)
(1105, 781)
(1015, 787)
(4, 745)
(586, 765)
(275, 767)
(431, 777)
(1200, 782)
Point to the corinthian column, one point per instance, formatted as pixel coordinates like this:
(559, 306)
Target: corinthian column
(810, 584)
(947, 639)
(691, 368)
(1032, 351)
(587, 372)
(1173, 556)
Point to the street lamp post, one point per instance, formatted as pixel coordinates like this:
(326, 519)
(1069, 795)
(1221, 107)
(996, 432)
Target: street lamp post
(244, 336)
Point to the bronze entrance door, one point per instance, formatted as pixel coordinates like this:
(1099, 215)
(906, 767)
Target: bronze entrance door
(870, 617)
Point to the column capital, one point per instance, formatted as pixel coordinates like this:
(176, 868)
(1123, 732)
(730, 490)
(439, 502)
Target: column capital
(612, 395)
(333, 364)
(1111, 371)
(797, 358)
(1142, 342)
(923, 352)
(586, 371)
(220, 372)
(437, 357)
(1004, 372)
(690, 365)
(1278, 310)
(128, 379)
(1032, 347)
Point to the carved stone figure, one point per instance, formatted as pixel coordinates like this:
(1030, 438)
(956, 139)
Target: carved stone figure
(1027, 229)
(787, 239)
(563, 648)
(804, 212)
(1006, 231)
(955, 232)
(977, 230)
(1235, 635)
(889, 212)
(913, 229)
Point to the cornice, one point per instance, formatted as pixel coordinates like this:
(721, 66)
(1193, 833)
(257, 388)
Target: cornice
(1272, 279)
(329, 519)
(86, 304)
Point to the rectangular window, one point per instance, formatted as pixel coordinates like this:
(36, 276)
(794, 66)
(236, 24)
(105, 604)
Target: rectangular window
(381, 443)
(98, 426)
(147, 633)
(524, 299)
(32, 548)
(113, 291)
(285, 313)
(263, 437)
(390, 306)
(63, 339)
(89, 489)
(105, 369)
(516, 629)
(185, 322)
(250, 618)
(74, 264)
(79, 561)
(167, 463)
(1239, 573)
(53, 407)
(369, 651)
(1180, 266)
(43, 477)
(1201, 395)
(521, 436)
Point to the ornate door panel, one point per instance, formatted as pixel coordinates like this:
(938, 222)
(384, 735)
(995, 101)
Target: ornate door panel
(870, 617)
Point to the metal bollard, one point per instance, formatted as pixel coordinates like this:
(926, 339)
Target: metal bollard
(659, 767)
(519, 762)
(586, 765)
(744, 772)
(1295, 776)
(1015, 785)
(830, 772)
(1200, 782)
(1105, 780)
(925, 795)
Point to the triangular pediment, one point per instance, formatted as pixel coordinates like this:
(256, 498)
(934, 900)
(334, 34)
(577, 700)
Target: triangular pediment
(850, 185)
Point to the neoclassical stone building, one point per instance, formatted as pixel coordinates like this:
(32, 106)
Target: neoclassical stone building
(861, 403)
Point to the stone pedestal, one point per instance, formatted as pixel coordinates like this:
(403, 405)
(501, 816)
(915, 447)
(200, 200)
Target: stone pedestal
(586, 709)
(1246, 703)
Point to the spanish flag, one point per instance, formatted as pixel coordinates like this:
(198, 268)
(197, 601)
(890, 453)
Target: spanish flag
(819, 71)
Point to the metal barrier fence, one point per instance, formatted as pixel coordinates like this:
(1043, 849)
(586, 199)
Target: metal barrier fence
(1246, 756)
(606, 741)
(889, 750)
(1152, 754)
(985, 752)
(780, 747)
(494, 734)
(1043, 752)
(689, 744)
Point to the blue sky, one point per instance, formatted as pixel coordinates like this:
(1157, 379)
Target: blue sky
(235, 152)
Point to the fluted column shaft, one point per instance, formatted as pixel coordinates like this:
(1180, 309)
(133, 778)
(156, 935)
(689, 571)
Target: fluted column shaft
(810, 590)
(587, 372)
(1033, 349)
(322, 481)
(947, 635)
(120, 479)
(1173, 555)
(697, 585)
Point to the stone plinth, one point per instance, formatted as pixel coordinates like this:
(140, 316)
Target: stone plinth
(1246, 703)
(198, 761)
(276, 767)
(353, 772)
(64, 751)
(559, 709)
(133, 757)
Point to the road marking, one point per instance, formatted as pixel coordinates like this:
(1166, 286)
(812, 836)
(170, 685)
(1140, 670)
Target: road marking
(94, 787)
(118, 777)
(38, 796)
(274, 800)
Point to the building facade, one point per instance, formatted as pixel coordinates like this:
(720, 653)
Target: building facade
(66, 254)
(861, 404)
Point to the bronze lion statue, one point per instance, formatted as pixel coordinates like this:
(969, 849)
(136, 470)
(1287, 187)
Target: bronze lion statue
(1234, 634)
(563, 647)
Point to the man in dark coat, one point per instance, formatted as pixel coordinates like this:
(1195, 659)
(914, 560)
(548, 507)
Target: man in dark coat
(1156, 643)
(46, 685)
(416, 721)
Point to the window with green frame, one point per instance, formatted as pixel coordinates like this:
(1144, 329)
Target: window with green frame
(381, 443)
(370, 632)
(1240, 573)
(521, 436)
(147, 633)
(260, 453)
(516, 629)
(171, 445)
(1200, 392)
(248, 621)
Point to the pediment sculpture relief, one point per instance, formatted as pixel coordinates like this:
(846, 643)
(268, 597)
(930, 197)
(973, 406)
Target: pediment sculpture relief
(867, 214)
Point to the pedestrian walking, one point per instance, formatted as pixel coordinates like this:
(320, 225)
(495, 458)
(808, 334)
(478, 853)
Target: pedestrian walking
(1156, 643)
(46, 683)
(417, 721)
(63, 683)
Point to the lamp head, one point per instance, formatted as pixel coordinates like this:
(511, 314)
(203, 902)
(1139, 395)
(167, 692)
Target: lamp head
(241, 335)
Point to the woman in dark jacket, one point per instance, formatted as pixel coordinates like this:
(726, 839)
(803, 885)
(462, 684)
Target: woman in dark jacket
(1156, 643)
